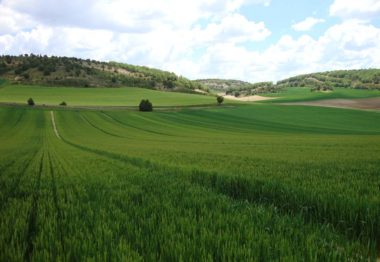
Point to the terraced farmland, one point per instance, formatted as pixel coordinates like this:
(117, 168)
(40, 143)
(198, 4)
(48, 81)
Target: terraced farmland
(254, 183)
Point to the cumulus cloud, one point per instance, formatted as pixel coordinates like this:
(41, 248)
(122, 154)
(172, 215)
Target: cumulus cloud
(233, 28)
(125, 16)
(141, 32)
(307, 24)
(363, 9)
(11, 21)
(351, 44)
(197, 39)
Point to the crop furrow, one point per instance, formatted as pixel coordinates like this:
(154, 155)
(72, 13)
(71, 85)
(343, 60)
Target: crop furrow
(139, 162)
(135, 127)
(353, 219)
(32, 227)
(98, 128)
(56, 203)
(9, 164)
(12, 190)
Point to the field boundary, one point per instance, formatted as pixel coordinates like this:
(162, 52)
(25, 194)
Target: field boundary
(115, 108)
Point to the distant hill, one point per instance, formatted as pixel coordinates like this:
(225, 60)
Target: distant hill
(223, 84)
(324, 81)
(236, 87)
(69, 71)
(358, 79)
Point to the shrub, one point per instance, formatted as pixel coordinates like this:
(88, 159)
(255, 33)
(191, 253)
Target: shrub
(220, 99)
(46, 72)
(26, 75)
(63, 103)
(3, 67)
(18, 71)
(145, 105)
(31, 102)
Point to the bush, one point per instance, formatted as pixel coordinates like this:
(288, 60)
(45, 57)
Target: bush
(3, 68)
(46, 72)
(26, 75)
(220, 99)
(145, 105)
(63, 103)
(31, 102)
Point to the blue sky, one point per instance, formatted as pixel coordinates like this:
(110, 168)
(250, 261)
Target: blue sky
(252, 40)
(279, 16)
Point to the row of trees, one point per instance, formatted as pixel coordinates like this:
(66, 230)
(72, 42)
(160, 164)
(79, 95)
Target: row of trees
(31, 102)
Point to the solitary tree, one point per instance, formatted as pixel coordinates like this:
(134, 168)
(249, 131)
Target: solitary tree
(145, 105)
(30, 102)
(220, 99)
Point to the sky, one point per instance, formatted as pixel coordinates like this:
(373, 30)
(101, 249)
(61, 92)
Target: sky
(250, 40)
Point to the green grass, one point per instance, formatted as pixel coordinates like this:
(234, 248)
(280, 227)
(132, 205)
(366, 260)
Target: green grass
(250, 183)
(295, 94)
(99, 96)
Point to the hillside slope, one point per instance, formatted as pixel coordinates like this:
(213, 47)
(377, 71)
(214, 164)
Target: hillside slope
(65, 71)
(223, 84)
(357, 79)
(324, 81)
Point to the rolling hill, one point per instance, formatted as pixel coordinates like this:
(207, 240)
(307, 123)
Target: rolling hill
(74, 72)
(357, 79)
(324, 81)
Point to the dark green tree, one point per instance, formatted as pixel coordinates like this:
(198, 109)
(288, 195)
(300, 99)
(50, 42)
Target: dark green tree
(220, 99)
(30, 102)
(145, 105)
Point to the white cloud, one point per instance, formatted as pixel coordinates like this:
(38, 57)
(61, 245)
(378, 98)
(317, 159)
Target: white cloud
(233, 28)
(307, 24)
(11, 21)
(362, 9)
(197, 39)
(125, 16)
(155, 33)
(351, 44)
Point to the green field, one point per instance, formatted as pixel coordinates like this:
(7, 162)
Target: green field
(295, 94)
(251, 183)
(98, 96)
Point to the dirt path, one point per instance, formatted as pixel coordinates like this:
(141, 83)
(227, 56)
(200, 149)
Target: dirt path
(54, 126)
(362, 103)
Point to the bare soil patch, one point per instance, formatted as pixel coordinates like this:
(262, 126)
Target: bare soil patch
(362, 103)
(254, 98)
(200, 91)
